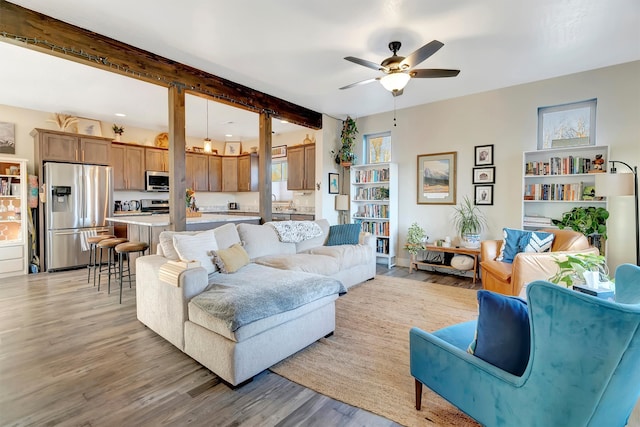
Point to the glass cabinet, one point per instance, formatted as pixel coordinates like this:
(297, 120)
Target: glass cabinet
(14, 212)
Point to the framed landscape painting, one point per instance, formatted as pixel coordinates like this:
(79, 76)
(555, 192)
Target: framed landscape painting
(567, 125)
(437, 178)
(7, 138)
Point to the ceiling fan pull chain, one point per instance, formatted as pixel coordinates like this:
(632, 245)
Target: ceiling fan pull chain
(394, 112)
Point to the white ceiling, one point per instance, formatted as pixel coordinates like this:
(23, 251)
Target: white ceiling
(294, 50)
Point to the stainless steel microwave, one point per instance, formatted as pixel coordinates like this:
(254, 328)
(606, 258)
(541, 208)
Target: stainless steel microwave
(156, 181)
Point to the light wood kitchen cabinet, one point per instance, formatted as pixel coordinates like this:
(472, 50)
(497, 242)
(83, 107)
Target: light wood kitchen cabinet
(248, 172)
(128, 167)
(215, 173)
(302, 167)
(71, 147)
(229, 174)
(197, 166)
(156, 159)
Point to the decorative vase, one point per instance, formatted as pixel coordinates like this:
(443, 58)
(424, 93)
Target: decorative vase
(117, 139)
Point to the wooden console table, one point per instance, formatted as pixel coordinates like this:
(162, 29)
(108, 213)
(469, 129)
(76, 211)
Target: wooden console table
(472, 252)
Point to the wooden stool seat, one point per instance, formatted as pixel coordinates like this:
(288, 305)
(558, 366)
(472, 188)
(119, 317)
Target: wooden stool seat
(123, 250)
(109, 245)
(93, 254)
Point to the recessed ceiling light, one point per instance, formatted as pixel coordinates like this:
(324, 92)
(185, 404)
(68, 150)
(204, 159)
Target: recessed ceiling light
(228, 135)
(121, 115)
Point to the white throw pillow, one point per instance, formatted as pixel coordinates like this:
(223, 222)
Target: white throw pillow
(197, 248)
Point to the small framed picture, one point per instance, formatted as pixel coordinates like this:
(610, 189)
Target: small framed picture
(89, 127)
(483, 195)
(484, 175)
(278, 151)
(334, 183)
(484, 155)
(232, 148)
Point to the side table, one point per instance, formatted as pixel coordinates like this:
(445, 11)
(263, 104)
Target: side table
(473, 252)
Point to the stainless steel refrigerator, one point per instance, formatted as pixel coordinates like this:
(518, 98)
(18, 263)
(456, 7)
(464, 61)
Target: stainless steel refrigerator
(79, 199)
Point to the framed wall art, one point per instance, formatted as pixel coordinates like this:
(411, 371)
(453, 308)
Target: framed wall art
(278, 151)
(89, 127)
(334, 183)
(7, 138)
(484, 155)
(232, 148)
(567, 125)
(437, 178)
(483, 195)
(484, 175)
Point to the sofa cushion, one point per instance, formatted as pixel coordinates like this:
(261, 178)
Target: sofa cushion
(197, 247)
(347, 256)
(316, 241)
(226, 235)
(318, 264)
(165, 241)
(503, 336)
(516, 241)
(262, 240)
(231, 259)
(343, 234)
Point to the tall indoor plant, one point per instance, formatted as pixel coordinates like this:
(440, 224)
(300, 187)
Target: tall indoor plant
(469, 222)
(345, 155)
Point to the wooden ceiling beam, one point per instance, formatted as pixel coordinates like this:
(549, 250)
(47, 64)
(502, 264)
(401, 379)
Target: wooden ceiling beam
(34, 30)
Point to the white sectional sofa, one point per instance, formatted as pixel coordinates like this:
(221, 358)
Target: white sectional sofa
(293, 285)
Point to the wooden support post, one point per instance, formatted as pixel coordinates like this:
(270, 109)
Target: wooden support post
(265, 188)
(177, 159)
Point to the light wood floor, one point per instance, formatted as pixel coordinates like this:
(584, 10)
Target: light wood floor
(70, 355)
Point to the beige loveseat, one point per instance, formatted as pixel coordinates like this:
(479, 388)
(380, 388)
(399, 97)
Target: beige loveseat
(234, 350)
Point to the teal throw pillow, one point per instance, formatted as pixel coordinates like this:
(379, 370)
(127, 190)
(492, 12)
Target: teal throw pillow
(344, 234)
(515, 241)
(503, 336)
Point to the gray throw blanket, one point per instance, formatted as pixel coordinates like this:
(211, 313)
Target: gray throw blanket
(256, 292)
(296, 231)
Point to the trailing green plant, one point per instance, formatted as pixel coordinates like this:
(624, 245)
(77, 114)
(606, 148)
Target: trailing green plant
(467, 218)
(571, 269)
(347, 139)
(587, 220)
(415, 239)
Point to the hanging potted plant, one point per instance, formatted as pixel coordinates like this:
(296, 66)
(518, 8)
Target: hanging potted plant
(469, 222)
(345, 156)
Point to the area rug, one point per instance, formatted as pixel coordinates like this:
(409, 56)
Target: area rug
(366, 362)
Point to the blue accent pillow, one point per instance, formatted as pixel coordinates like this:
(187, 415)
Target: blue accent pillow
(344, 234)
(516, 241)
(503, 337)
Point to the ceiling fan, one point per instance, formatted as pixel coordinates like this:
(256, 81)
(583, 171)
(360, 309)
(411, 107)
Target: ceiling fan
(398, 70)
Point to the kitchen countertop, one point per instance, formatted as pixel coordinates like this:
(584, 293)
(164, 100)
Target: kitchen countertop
(162, 220)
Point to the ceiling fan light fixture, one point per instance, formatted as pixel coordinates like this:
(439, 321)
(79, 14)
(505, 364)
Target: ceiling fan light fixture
(395, 81)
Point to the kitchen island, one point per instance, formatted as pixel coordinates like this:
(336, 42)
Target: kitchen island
(147, 228)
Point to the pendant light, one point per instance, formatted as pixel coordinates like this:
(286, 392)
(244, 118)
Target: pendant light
(207, 141)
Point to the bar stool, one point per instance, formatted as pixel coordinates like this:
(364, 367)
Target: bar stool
(109, 245)
(93, 254)
(124, 250)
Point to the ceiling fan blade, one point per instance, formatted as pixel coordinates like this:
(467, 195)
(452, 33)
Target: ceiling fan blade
(421, 54)
(397, 92)
(364, 62)
(432, 73)
(363, 82)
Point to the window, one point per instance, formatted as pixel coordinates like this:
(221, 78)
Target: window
(377, 148)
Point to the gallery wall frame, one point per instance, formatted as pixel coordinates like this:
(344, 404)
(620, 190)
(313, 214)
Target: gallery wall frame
(334, 183)
(483, 195)
(232, 148)
(436, 178)
(486, 175)
(567, 125)
(483, 155)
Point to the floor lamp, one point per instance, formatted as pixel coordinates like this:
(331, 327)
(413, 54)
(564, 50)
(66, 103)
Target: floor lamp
(621, 184)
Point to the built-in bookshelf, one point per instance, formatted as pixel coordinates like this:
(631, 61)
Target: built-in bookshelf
(374, 205)
(556, 180)
(14, 211)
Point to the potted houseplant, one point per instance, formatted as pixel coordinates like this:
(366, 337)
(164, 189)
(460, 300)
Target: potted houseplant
(118, 131)
(581, 268)
(345, 155)
(469, 222)
(416, 237)
(588, 220)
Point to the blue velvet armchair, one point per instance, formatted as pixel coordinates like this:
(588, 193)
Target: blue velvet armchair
(583, 369)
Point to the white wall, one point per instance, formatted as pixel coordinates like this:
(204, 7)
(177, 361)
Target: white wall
(507, 118)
